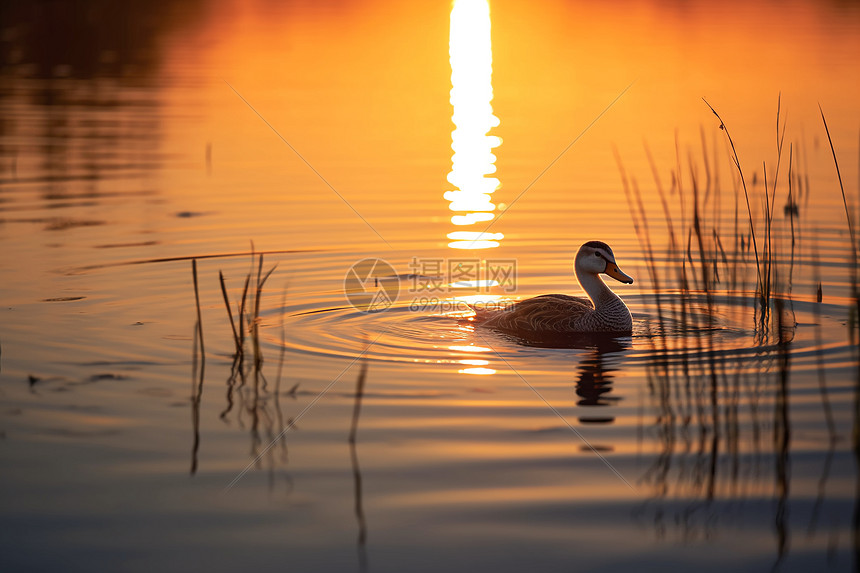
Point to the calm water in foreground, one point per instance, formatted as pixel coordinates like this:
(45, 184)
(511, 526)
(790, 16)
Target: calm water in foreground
(136, 139)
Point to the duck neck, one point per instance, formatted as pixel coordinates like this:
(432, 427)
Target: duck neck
(600, 294)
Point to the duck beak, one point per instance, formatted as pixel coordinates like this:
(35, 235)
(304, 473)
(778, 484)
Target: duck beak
(613, 271)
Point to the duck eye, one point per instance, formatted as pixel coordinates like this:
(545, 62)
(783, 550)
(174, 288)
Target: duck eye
(596, 254)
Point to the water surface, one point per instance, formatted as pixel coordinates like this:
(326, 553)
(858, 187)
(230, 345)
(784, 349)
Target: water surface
(321, 135)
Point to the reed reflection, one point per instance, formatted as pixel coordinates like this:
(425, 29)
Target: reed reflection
(361, 540)
(196, 381)
(73, 117)
(247, 380)
(471, 93)
(250, 399)
(728, 428)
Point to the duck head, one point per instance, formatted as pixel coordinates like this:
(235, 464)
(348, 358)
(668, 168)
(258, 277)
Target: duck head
(595, 257)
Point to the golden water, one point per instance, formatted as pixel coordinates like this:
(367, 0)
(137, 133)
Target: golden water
(135, 141)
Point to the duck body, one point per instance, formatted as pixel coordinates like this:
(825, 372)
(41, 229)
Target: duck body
(552, 314)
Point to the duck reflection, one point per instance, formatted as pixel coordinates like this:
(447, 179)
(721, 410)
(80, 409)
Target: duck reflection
(595, 369)
(594, 379)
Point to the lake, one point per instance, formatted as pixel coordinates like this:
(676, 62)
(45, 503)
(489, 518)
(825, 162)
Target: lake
(352, 177)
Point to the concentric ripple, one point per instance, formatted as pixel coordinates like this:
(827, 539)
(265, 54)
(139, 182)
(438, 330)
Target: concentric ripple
(721, 329)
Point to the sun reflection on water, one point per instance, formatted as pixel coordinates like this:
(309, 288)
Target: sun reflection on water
(470, 348)
(471, 93)
(475, 366)
(477, 371)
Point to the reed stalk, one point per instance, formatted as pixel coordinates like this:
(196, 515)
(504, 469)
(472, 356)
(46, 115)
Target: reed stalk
(737, 163)
(229, 312)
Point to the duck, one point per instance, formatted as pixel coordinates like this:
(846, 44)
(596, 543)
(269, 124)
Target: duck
(554, 314)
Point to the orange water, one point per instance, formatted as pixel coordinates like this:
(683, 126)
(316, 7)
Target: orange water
(126, 157)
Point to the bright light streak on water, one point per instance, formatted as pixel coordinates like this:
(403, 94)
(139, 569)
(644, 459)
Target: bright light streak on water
(477, 371)
(473, 245)
(471, 93)
(474, 236)
(470, 348)
(471, 218)
(474, 362)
